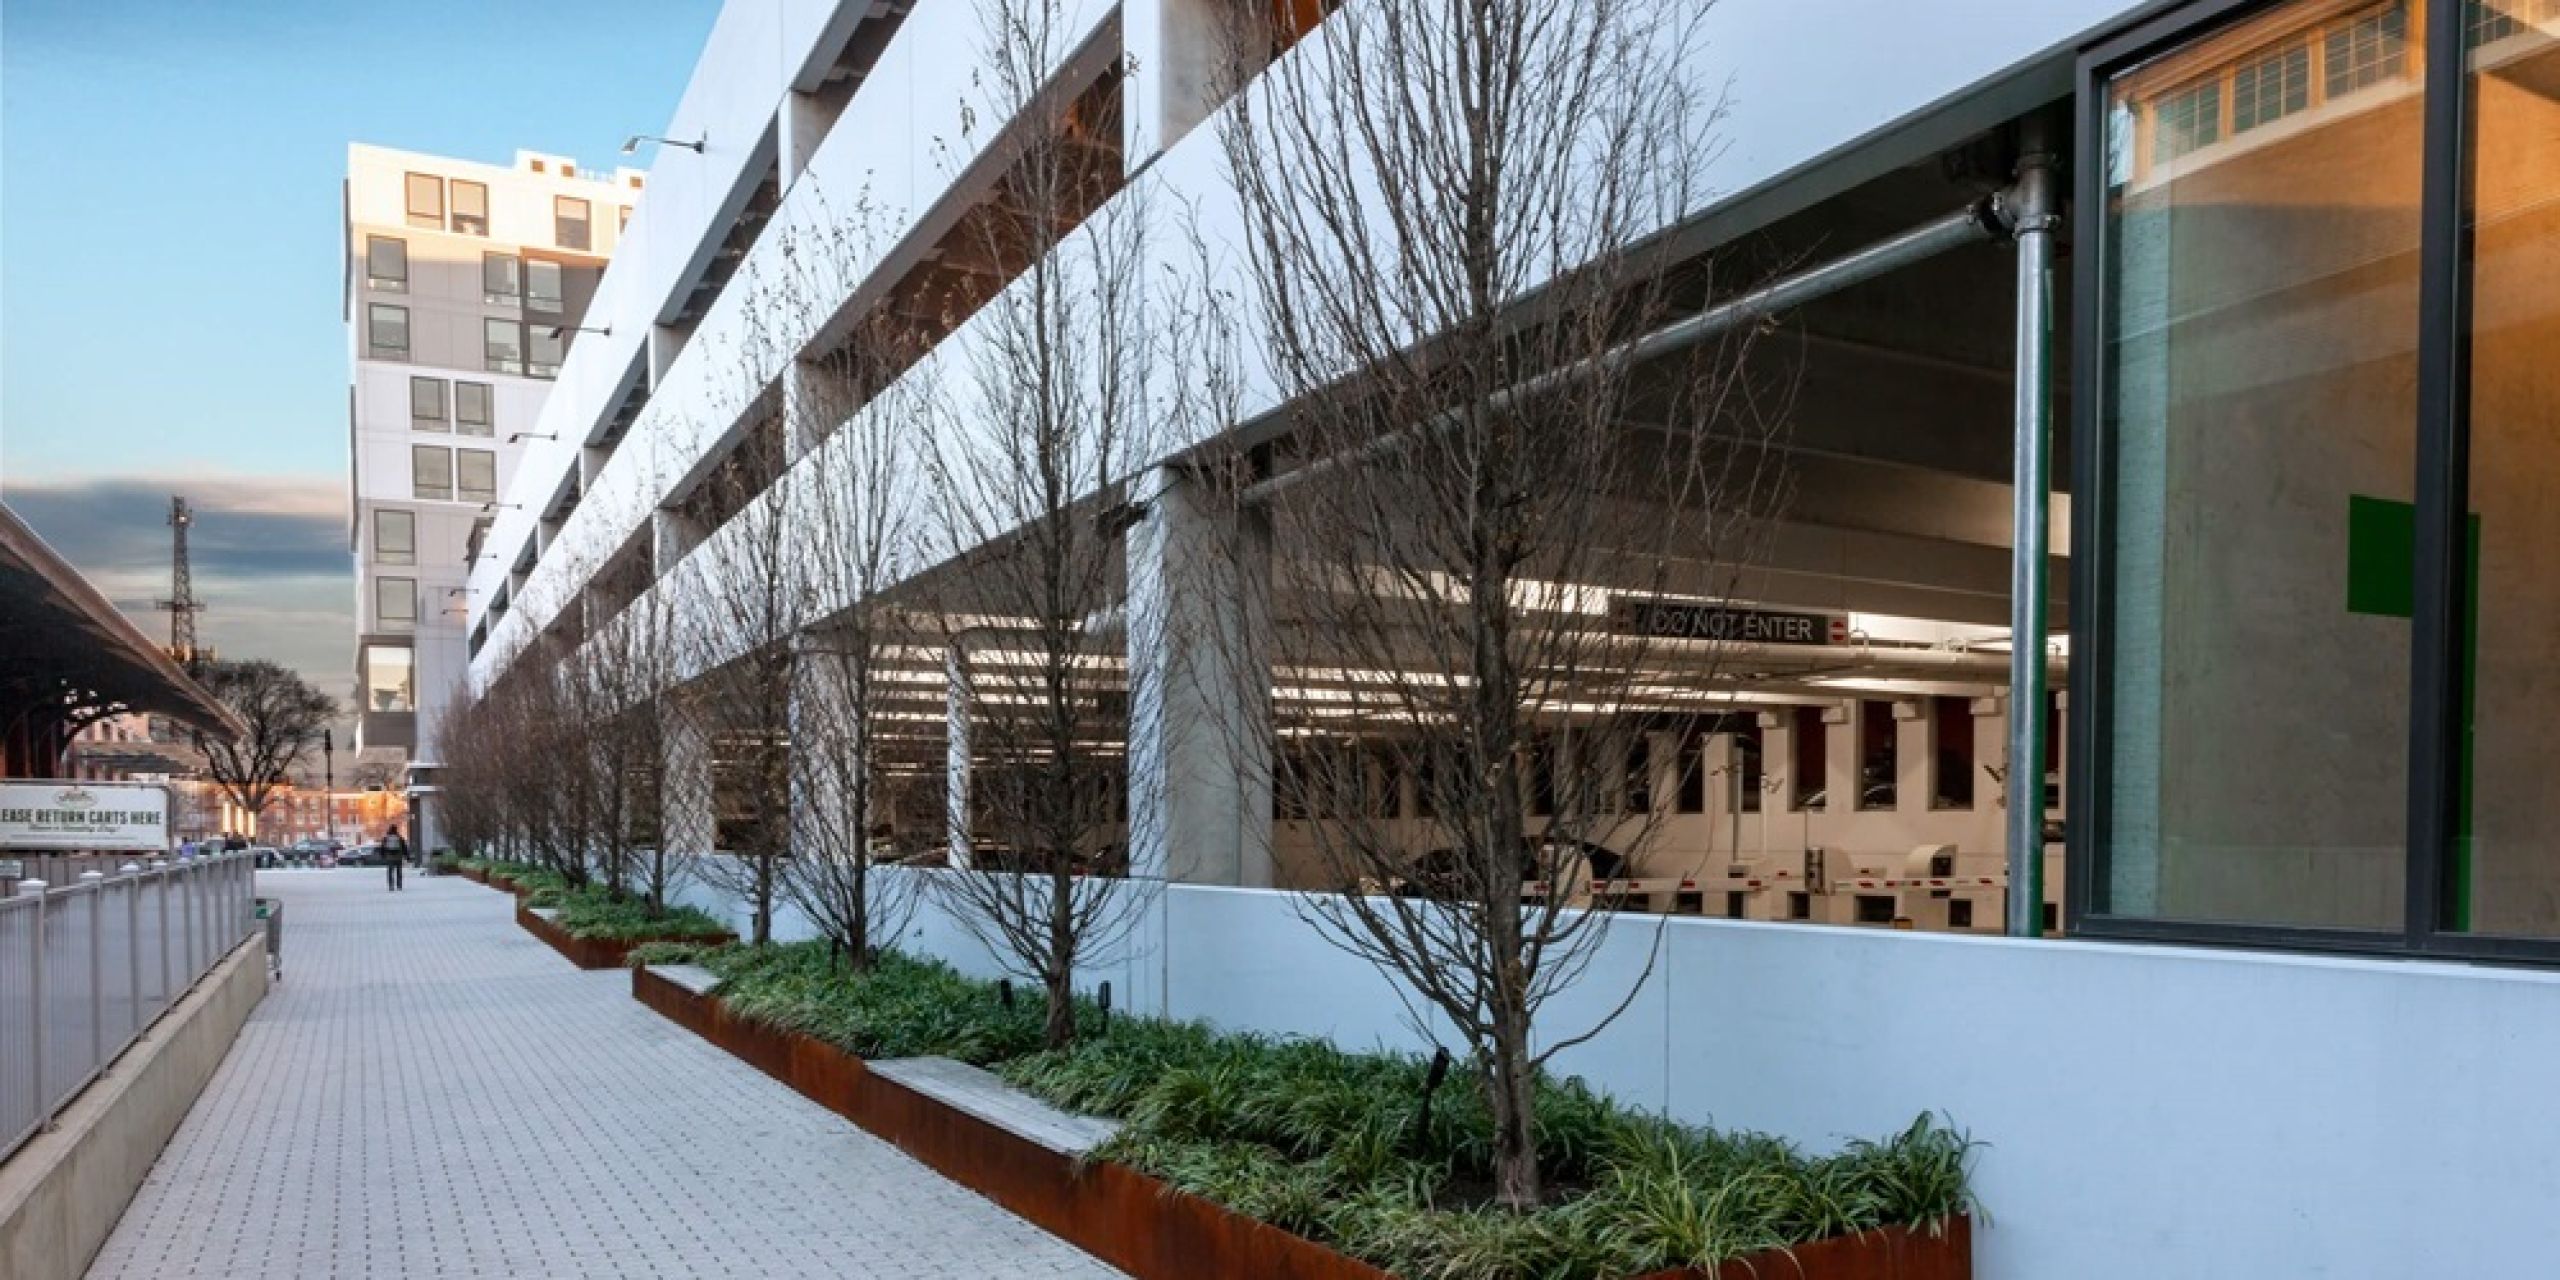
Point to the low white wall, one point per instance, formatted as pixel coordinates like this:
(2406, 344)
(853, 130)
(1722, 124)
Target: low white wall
(2147, 1111)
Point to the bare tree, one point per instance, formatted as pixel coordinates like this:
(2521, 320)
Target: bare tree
(1033, 439)
(1450, 213)
(284, 715)
(751, 602)
(860, 528)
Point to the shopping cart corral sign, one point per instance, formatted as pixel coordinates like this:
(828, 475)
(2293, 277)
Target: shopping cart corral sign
(83, 815)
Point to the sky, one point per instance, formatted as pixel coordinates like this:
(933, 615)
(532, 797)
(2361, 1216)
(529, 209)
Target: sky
(170, 258)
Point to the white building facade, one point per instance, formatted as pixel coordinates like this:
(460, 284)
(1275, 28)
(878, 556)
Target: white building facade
(2298, 345)
(466, 286)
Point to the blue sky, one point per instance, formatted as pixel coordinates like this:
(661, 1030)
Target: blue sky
(170, 257)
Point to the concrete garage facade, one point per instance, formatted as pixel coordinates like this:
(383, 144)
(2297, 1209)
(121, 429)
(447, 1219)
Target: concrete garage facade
(2290, 690)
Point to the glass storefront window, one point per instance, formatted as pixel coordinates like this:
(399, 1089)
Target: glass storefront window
(2505, 876)
(2257, 377)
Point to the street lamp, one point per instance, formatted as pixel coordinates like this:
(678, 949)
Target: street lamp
(328, 785)
(533, 435)
(631, 145)
(603, 330)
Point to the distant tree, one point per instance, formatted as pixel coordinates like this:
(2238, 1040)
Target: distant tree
(285, 715)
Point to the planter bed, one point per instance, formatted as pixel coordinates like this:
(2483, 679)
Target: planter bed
(598, 953)
(1147, 1227)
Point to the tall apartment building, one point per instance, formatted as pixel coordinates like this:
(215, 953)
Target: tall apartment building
(466, 285)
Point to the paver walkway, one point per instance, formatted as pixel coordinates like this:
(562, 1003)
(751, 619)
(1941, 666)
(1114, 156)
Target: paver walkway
(432, 1092)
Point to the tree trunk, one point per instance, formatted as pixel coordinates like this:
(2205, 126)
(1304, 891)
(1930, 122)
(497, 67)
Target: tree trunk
(1061, 1028)
(1513, 1091)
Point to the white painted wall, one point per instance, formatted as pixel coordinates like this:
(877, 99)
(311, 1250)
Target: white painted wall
(2146, 1111)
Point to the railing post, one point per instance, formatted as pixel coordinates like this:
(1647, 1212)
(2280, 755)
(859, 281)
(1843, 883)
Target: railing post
(160, 879)
(96, 884)
(35, 986)
(131, 874)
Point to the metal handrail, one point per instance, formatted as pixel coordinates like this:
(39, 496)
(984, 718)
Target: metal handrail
(86, 968)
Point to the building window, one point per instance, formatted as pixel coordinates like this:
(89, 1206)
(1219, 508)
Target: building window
(470, 207)
(501, 280)
(473, 408)
(476, 475)
(1811, 742)
(426, 201)
(1639, 775)
(502, 346)
(386, 264)
(395, 603)
(386, 331)
(2187, 120)
(2257, 377)
(1951, 752)
(2503, 864)
(542, 286)
(2271, 87)
(569, 223)
(395, 536)
(387, 678)
(545, 350)
(1748, 761)
(2367, 50)
(622, 224)
(431, 472)
(426, 404)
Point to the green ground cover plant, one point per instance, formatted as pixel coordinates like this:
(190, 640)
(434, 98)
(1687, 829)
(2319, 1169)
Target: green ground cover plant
(1332, 1145)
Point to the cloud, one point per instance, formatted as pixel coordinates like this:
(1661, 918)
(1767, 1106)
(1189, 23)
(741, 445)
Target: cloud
(269, 557)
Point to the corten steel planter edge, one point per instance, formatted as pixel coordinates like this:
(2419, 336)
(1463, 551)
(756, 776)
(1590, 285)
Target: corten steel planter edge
(597, 953)
(1150, 1229)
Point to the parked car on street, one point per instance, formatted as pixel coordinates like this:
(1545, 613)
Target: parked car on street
(266, 855)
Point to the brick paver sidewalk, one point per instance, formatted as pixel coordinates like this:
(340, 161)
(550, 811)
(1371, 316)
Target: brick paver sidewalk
(432, 1092)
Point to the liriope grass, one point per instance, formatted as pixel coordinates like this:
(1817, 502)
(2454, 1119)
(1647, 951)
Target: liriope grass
(1331, 1145)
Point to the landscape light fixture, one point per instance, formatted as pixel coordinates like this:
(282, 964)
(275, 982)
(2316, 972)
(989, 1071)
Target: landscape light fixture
(631, 145)
(533, 435)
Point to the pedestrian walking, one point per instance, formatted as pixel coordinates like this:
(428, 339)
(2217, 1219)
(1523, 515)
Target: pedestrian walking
(395, 853)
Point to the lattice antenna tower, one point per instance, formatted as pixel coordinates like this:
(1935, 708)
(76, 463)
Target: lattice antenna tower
(182, 605)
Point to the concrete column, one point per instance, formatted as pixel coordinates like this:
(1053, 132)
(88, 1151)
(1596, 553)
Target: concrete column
(815, 401)
(1174, 55)
(826, 750)
(1915, 757)
(798, 126)
(665, 340)
(686, 822)
(672, 536)
(955, 773)
(1199, 688)
(1839, 762)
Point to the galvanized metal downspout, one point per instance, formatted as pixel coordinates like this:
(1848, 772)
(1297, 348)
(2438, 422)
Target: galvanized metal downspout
(2033, 220)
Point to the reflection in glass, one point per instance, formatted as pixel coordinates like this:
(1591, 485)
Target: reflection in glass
(2259, 383)
(387, 684)
(2506, 873)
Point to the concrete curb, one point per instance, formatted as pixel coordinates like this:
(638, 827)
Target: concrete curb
(61, 1193)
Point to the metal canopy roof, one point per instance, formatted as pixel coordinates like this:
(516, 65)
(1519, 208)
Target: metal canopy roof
(67, 652)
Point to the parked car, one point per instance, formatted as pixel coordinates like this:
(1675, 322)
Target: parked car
(266, 855)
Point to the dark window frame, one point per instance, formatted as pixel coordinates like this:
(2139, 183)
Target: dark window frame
(385, 283)
(585, 221)
(488, 421)
(469, 224)
(374, 347)
(409, 203)
(2443, 431)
